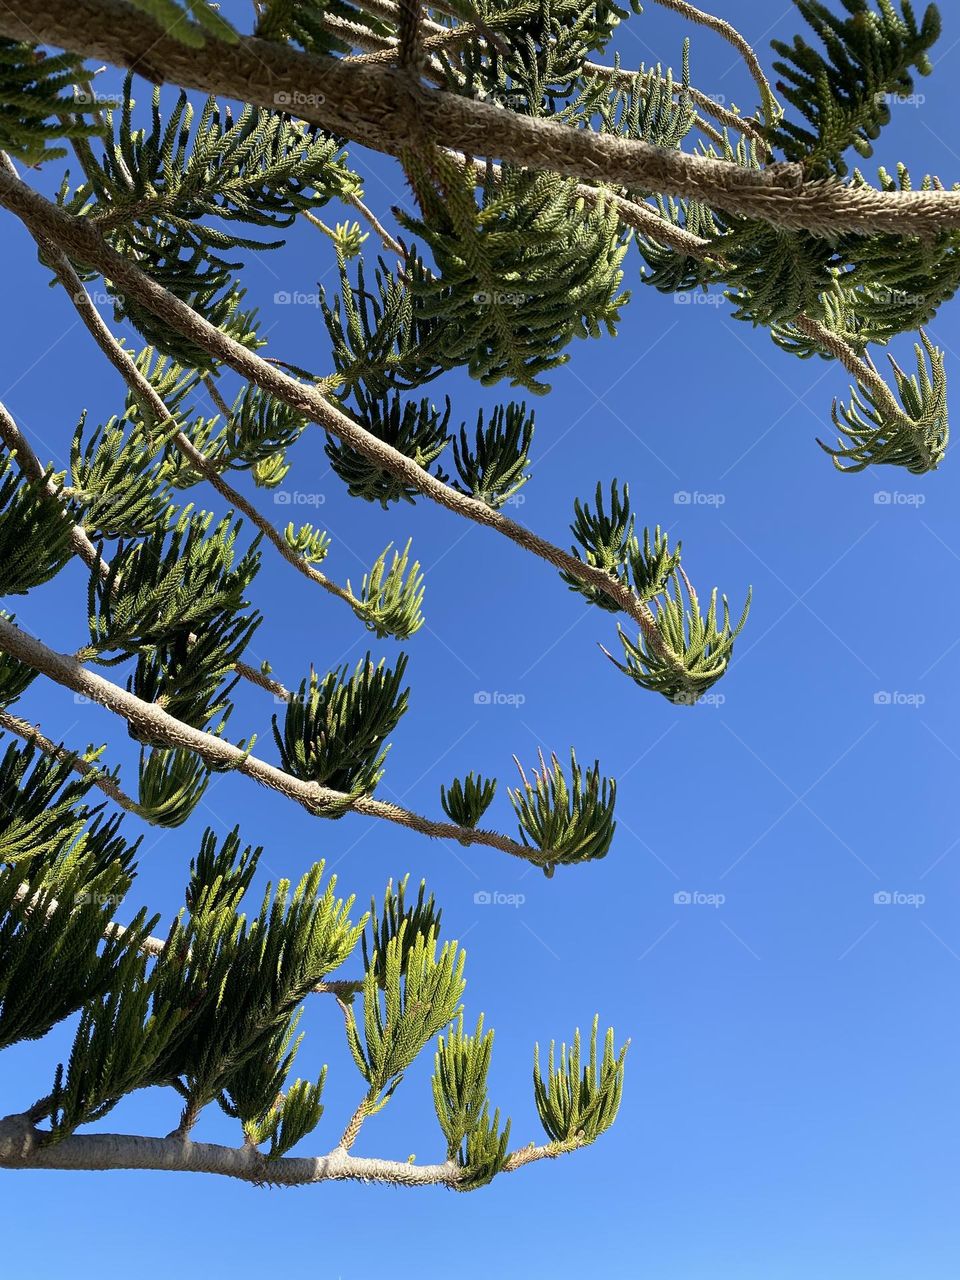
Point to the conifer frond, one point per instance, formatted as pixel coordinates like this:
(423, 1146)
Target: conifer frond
(916, 438)
(494, 468)
(578, 1105)
(843, 97)
(520, 274)
(220, 875)
(467, 801)
(417, 429)
(698, 647)
(564, 822)
(334, 729)
(302, 21)
(43, 101)
(390, 600)
(172, 783)
(398, 923)
(169, 16)
(474, 1139)
(416, 1003)
(312, 544)
(35, 531)
(117, 482)
(176, 580)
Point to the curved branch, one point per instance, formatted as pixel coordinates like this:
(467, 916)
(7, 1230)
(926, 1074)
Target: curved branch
(21, 1147)
(380, 108)
(165, 729)
(84, 243)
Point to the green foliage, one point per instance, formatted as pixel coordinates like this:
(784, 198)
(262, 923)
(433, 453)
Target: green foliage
(172, 783)
(390, 600)
(693, 651)
(400, 924)
(169, 16)
(417, 1001)
(577, 1106)
(36, 115)
(312, 544)
(418, 430)
(494, 470)
(35, 531)
(608, 541)
(116, 481)
(334, 729)
(220, 876)
(843, 98)
(915, 438)
(520, 274)
(474, 1140)
(565, 822)
(303, 22)
(179, 579)
(466, 802)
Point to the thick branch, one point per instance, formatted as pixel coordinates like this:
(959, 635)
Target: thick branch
(20, 1148)
(164, 728)
(380, 108)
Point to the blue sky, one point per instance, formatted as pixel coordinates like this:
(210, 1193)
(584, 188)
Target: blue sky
(792, 1105)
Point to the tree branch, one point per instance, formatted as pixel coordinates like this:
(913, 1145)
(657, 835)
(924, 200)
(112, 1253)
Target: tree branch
(379, 109)
(21, 1147)
(65, 670)
(84, 243)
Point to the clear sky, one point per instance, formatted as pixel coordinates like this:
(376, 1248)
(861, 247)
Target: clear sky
(792, 1106)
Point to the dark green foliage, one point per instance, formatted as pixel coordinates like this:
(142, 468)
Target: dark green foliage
(35, 531)
(773, 275)
(334, 729)
(494, 469)
(382, 337)
(417, 429)
(467, 801)
(116, 481)
(180, 579)
(474, 1140)
(915, 438)
(399, 923)
(565, 822)
(520, 274)
(843, 98)
(608, 541)
(220, 876)
(417, 1001)
(301, 21)
(574, 1105)
(44, 99)
(169, 16)
(172, 783)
